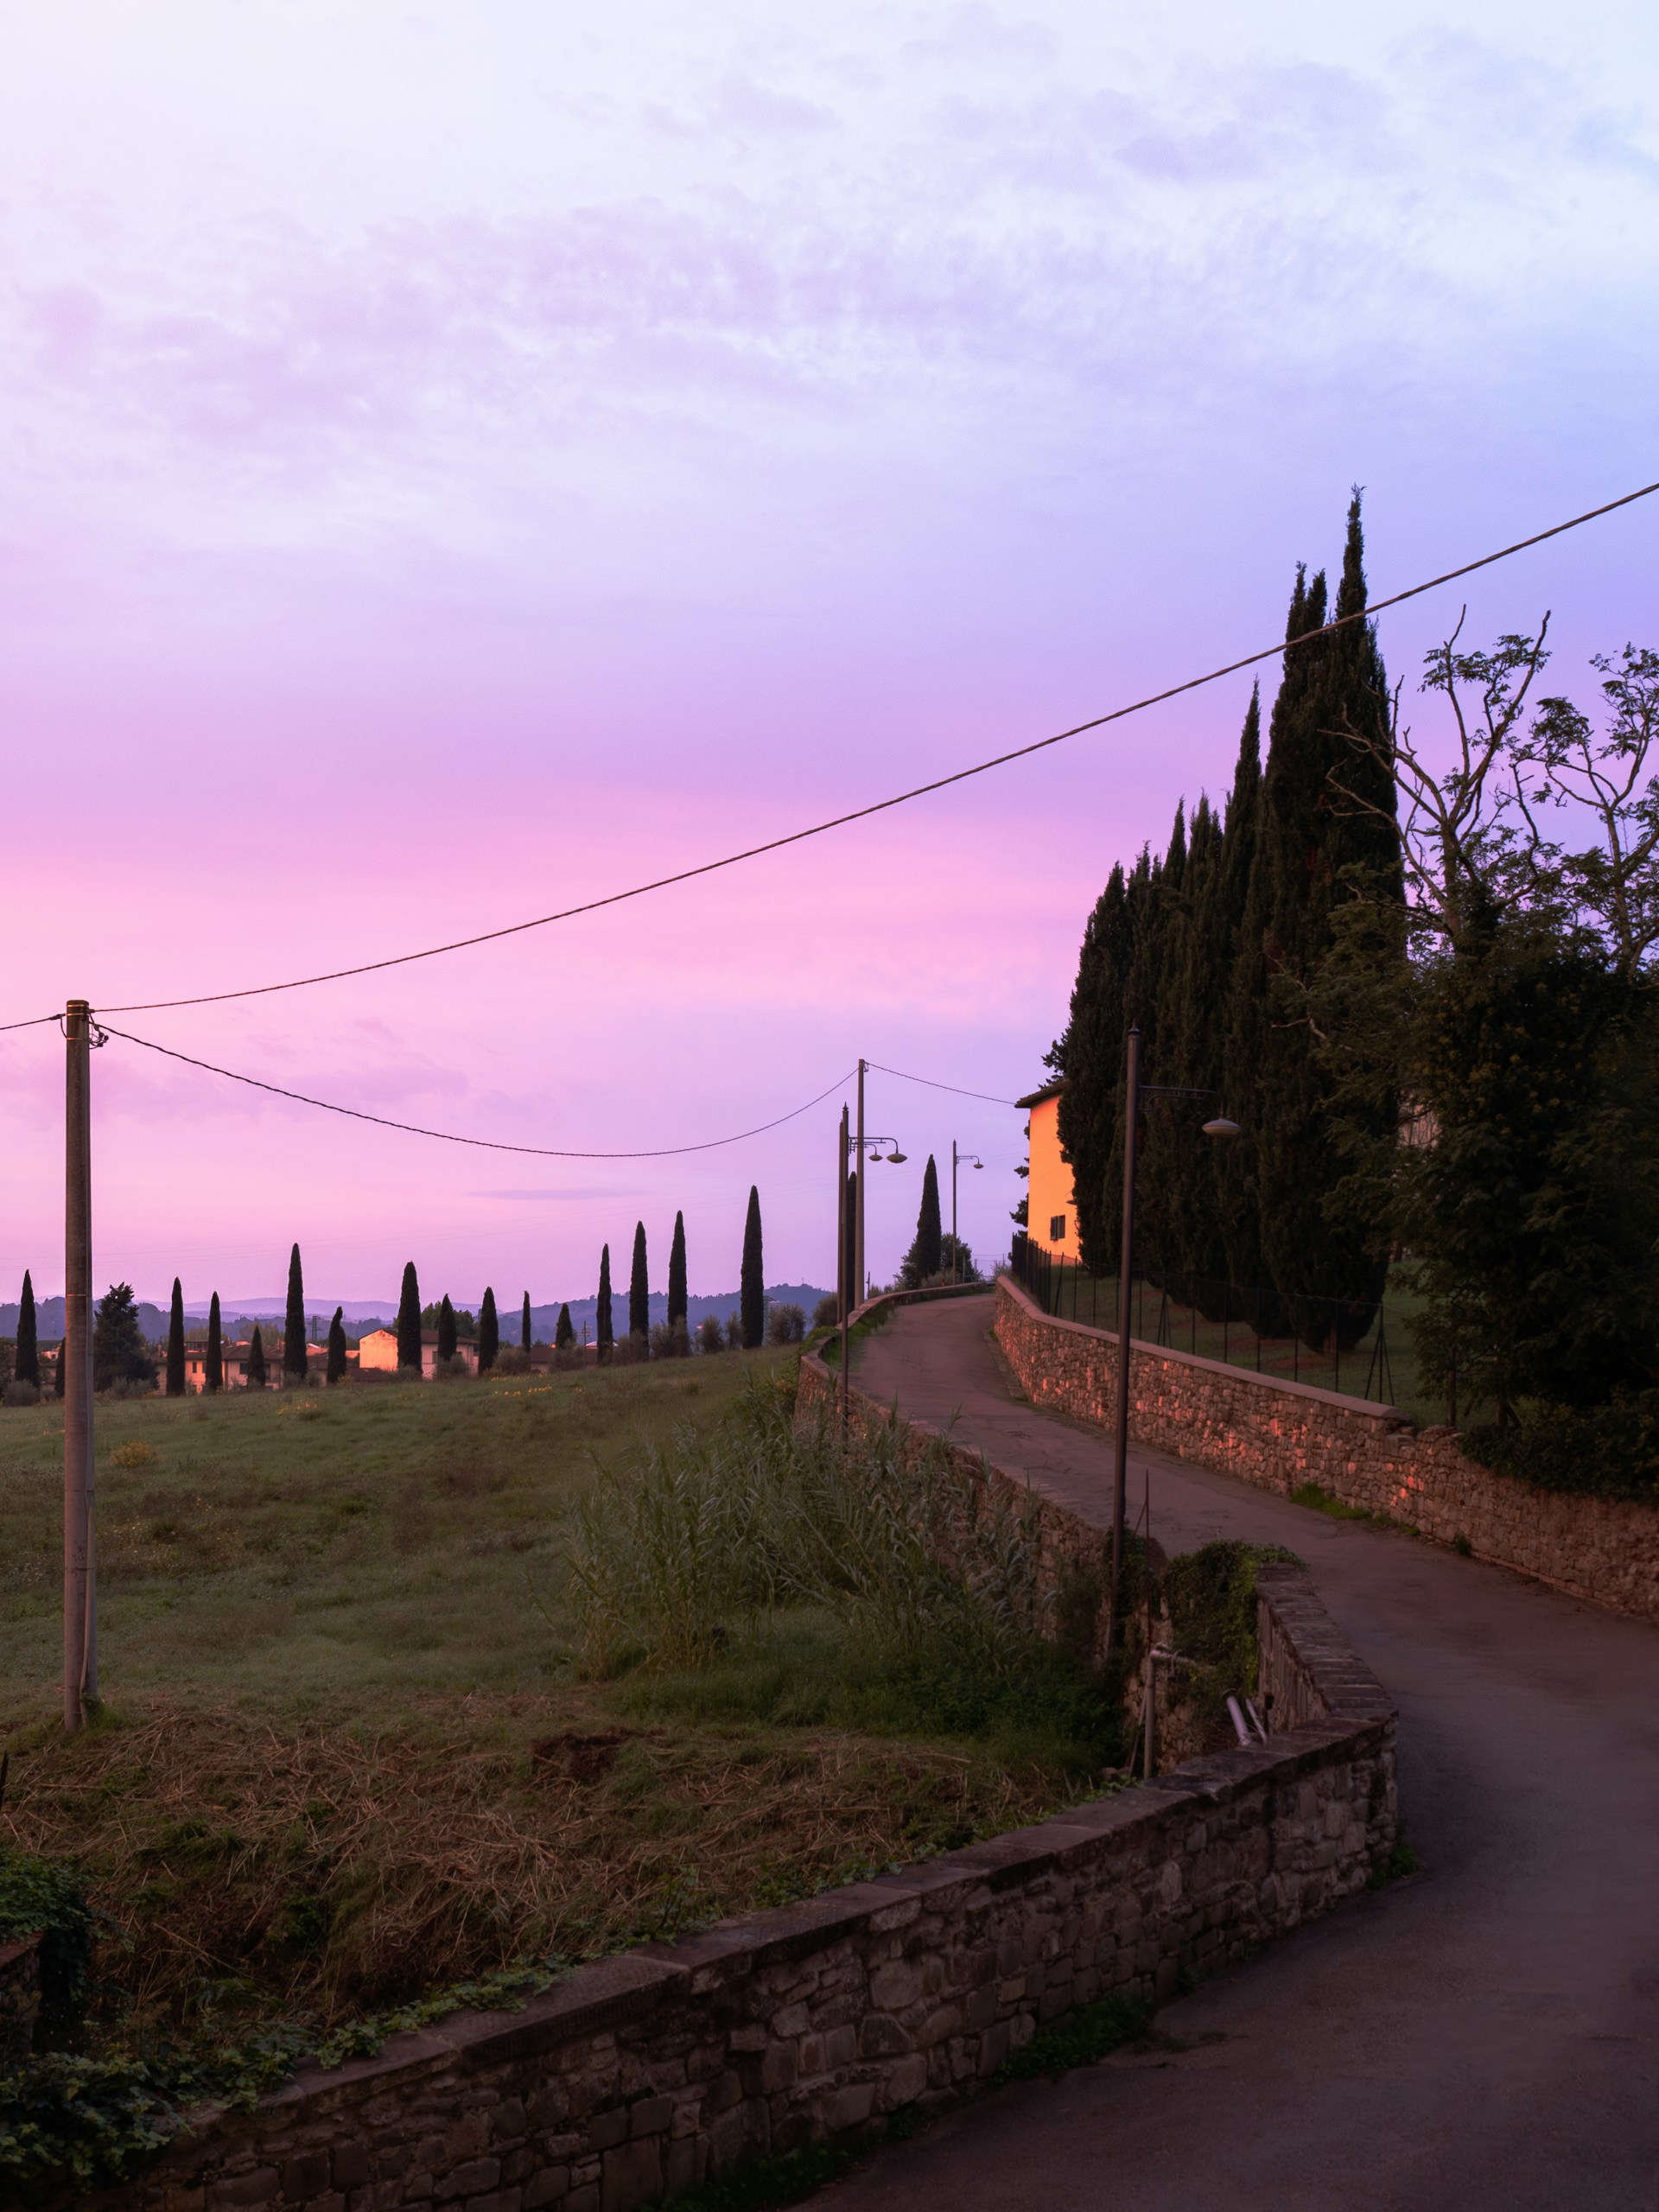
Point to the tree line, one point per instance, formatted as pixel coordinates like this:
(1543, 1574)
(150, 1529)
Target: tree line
(122, 1358)
(1417, 969)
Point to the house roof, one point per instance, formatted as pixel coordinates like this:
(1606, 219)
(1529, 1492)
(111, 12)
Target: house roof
(1049, 1090)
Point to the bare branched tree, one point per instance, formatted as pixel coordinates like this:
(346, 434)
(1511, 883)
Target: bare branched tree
(1462, 847)
(1612, 884)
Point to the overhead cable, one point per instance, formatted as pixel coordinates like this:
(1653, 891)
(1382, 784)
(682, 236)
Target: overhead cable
(932, 1085)
(481, 1144)
(900, 798)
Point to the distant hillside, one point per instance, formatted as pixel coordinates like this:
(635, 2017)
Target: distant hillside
(544, 1319)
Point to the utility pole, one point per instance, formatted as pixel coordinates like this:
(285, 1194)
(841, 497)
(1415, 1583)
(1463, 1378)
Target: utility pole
(1126, 1268)
(955, 1247)
(858, 1232)
(843, 1300)
(79, 1573)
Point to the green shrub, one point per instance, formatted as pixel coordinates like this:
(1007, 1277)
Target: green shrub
(37, 1897)
(1610, 1451)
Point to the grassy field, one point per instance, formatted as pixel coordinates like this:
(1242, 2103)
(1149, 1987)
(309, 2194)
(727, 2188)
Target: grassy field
(349, 1750)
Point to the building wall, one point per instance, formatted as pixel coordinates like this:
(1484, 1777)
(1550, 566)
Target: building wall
(1049, 1192)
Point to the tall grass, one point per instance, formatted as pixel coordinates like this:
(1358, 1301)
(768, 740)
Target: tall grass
(866, 1582)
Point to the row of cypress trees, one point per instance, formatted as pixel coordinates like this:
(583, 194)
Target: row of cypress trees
(752, 1296)
(1211, 950)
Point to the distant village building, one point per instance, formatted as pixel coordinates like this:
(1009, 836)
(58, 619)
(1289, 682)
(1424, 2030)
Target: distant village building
(1051, 1202)
(234, 1358)
(379, 1350)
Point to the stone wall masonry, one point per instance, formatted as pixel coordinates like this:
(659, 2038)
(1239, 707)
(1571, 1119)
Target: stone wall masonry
(1280, 1435)
(646, 2073)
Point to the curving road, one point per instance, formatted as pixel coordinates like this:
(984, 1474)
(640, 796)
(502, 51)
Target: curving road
(1485, 2034)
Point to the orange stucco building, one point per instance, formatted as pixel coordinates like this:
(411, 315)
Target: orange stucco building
(1051, 1206)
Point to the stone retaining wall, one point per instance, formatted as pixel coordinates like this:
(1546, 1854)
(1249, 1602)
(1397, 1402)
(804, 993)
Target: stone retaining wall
(644, 2073)
(1282, 1434)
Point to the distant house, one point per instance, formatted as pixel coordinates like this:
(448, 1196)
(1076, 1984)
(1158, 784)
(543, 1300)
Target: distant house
(380, 1350)
(234, 1357)
(1051, 1202)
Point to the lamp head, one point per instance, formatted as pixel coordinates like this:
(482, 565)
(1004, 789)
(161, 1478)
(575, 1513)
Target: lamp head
(1221, 1127)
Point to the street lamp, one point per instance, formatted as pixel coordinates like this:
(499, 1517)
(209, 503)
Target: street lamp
(1220, 1127)
(958, 1159)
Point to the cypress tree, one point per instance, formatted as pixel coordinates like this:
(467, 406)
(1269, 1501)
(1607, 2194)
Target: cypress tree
(604, 1334)
(926, 1255)
(409, 1322)
(175, 1344)
(1089, 1057)
(335, 1371)
(1166, 1149)
(294, 1329)
(489, 1333)
(27, 1365)
(565, 1335)
(1188, 1055)
(524, 1325)
(257, 1360)
(638, 1286)
(677, 1301)
(1240, 971)
(445, 1329)
(753, 1281)
(214, 1366)
(1315, 850)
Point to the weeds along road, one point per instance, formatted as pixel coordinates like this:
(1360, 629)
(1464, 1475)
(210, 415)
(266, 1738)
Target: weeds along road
(1484, 2034)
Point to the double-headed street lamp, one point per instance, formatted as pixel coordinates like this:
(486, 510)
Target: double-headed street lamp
(958, 1159)
(1134, 1090)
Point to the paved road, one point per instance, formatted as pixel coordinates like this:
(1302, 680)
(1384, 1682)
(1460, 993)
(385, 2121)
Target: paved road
(1484, 2035)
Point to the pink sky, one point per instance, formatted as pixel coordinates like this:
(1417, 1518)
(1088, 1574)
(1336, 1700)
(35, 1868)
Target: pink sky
(458, 463)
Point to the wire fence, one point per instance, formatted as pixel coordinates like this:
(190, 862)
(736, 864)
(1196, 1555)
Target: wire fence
(1329, 1342)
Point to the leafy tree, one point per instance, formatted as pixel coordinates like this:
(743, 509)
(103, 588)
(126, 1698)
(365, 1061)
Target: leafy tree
(408, 1321)
(710, 1335)
(335, 1371)
(734, 1330)
(956, 1259)
(27, 1364)
(752, 1282)
(447, 1332)
(489, 1333)
(676, 1293)
(565, 1335)
(256, 1367)
(294, 1338)
(119, 1352)
(175, 1344)
(524, 1325)
(639, 1287)
(214, 1366)
(604, 1333)
(923, 1262)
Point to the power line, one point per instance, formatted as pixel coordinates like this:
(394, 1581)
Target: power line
(900, 798)
(482, 1144)
(932, 1085)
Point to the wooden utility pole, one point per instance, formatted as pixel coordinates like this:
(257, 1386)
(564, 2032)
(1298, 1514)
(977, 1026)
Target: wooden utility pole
(1125, 1272)
(858, 1233)
(843, 1288)
(79, 1571)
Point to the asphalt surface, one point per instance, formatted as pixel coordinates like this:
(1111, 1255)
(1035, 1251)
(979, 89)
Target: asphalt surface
(1482, 2034)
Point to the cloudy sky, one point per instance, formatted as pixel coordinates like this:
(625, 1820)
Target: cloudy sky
(462, 461)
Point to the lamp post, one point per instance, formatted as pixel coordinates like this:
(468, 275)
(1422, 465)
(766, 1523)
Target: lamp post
(975, 1161)
(1134, 1092)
